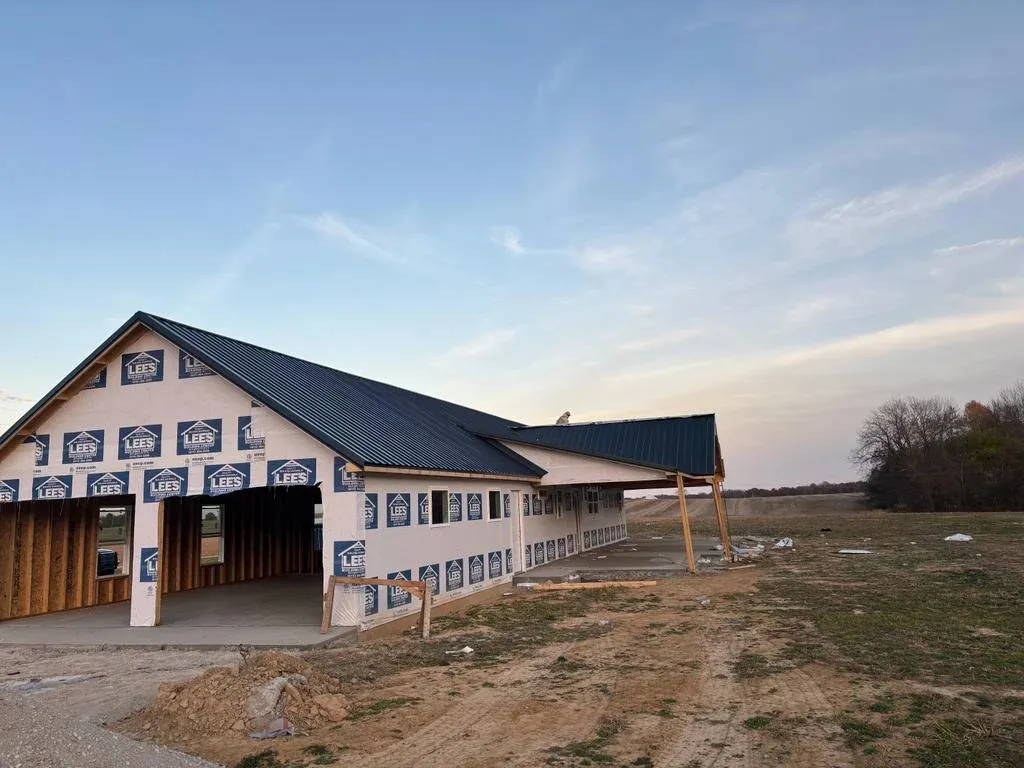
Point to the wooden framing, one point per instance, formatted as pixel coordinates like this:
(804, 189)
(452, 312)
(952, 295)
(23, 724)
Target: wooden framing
(723, 521)
(691, 564)
(418, 589)
(48, 558)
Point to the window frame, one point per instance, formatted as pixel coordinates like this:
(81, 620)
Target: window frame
(592, 498)
(221, 555)
(129, 526)
(490, 511)
(431, 490)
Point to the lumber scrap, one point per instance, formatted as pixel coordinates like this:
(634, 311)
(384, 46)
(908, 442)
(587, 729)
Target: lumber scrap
(558, 587)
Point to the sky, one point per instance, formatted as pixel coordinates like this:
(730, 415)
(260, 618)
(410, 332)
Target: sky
(782, 213)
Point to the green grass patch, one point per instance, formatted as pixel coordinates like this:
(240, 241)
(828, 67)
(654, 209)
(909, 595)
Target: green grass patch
(752, 665)
(757, 722)
(379, 707)
(588, 752)
(861, 732)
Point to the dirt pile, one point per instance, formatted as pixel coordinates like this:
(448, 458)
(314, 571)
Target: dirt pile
(245, 698)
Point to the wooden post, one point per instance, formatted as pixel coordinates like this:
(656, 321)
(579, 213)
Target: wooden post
(723, 522)
(687, 536)
(425, 612)
(325, 624)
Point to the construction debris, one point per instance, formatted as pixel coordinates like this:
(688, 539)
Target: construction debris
(786, 543)
(278, 728)
(464, 650)
(855, 552)
(959, 537)
(704, 602)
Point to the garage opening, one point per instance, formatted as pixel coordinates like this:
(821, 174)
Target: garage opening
(251, 556)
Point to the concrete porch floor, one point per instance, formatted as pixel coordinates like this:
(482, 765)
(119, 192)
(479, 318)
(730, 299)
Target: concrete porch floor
(626, 561)
(282, 612)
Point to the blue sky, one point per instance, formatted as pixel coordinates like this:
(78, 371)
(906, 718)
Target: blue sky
(782, 213)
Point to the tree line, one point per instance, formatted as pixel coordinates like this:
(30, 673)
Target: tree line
(930, 455)
(854, 486)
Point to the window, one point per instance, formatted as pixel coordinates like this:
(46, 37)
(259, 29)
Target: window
(593, 499)
(494, 505)
(439, 507)
(113, 551)
(212, 551)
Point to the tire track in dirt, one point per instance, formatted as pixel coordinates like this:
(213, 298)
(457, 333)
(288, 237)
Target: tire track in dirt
(478, 723)
(719, 738)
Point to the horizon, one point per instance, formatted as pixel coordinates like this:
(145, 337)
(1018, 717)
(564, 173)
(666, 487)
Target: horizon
(779, 213)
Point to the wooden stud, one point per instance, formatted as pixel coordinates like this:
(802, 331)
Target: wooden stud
(92, 537)
(687, 536)
(59, 553)
(75, 539)
(723, 521)
(418, 589)
(28, 529)
(8, 542)
(558, 587)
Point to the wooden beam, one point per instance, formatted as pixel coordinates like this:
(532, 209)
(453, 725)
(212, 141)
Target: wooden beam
(594, 585)
(723, 522)
(8, 539)
(691, 564)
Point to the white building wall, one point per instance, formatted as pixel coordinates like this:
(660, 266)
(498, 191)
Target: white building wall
(568, 528)
(166, 403)
(564, 468)
(400, 540)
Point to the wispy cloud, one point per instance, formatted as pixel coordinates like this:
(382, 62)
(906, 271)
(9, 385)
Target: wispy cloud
(981, 259)
(7, 397)
(659, 341)
(508, 238)
(484, 344)
(556, 80)
(862, 223)
(609, 258)
(351, 236)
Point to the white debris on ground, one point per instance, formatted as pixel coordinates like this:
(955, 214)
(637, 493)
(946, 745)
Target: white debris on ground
(855, 552)
(959, 537)
(786, 543)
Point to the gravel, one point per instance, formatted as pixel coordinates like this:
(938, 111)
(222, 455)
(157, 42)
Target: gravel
(35, 736)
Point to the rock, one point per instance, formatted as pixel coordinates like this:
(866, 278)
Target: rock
(334, 706)
(262, 705)
(238, 725)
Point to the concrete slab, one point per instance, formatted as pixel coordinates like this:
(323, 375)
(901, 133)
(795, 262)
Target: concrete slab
(626, 561)
(267, 613)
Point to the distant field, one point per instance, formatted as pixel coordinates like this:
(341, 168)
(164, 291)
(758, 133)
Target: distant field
(790, 506)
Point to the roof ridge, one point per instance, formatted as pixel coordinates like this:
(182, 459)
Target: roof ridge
(376, 382)
(617, 421)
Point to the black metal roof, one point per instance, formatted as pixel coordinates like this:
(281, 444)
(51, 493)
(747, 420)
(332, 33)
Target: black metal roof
(376, 424)
(686, 444)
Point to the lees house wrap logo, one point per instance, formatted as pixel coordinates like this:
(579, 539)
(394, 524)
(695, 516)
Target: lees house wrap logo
(9, 490)
(199, 436)
(225, 478)
(41, 446)
(106, 484)
(160, 484)
(142, 367)
(291, 472)
(190, 368)
(138, 442)
(84, 447)
(53, 487)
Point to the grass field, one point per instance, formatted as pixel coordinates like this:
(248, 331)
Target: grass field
(910, 656)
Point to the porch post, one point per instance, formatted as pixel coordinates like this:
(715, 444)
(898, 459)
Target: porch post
(687, 536)
(723, 521)
(147, 568)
